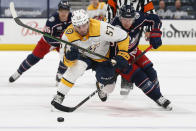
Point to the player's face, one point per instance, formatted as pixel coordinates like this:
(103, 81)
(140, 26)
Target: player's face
(127, 22)
(63, 15)
(82, 29)
(94, 2)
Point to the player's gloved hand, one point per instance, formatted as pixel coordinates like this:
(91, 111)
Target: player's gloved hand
(72, 54)
(108, 63)
(122, 62)
(155, 38)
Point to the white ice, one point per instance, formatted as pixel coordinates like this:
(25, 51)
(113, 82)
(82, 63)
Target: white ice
(25, 104)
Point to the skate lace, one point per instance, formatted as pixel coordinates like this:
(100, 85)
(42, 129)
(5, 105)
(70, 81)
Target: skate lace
(101, 93)
(161, 100)
(15, 75)
(59, 76)
(58, 99)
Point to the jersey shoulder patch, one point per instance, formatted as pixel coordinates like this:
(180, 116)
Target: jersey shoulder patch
(137, 15)
(51, 19)
(69, 31)
(71, 34)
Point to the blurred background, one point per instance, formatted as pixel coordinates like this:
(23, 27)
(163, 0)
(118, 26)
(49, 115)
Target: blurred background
(177, 15)
(166, 9)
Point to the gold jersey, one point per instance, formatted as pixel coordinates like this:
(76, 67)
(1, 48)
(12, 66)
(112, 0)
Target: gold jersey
(98, 11)
(98, 39)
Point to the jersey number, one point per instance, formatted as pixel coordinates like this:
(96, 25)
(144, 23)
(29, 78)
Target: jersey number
(109, 30)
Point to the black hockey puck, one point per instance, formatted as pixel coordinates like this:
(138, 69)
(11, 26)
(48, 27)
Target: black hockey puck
(60, 119)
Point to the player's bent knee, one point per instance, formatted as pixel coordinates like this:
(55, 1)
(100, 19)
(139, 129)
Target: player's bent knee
(105, 74)
(75, 71)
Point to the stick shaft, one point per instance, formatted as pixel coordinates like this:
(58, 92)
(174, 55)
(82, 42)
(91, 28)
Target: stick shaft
(19, 22)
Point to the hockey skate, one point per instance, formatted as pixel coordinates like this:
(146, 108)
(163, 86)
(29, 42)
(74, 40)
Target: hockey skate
(58, 78)
(14, 77)
(58, 98)
(165, 103)
(125, 87)
(101, 94)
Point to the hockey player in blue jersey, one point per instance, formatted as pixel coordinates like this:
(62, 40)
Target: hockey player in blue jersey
(142, 73)
(55, 26)
(113, 9)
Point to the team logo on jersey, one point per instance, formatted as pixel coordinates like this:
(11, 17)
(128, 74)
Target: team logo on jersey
(137, 15)
(69, 31)
(59, 28)
(94, 46)
(51, 19)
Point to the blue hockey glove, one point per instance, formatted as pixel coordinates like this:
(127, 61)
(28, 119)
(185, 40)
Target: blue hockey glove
(155, 38)
(72, 54)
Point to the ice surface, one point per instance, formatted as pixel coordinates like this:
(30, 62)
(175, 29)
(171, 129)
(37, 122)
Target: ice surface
(25, 104)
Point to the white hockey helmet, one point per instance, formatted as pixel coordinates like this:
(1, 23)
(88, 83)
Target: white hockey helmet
(79, 17)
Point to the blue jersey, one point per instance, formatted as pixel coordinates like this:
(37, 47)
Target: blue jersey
(55, 28)
(141, 19)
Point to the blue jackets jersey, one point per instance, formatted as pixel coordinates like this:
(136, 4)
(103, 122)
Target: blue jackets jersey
(141, 19)
(55, 28)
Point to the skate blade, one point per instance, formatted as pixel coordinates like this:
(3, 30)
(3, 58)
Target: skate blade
(168, 108)
(57, 84)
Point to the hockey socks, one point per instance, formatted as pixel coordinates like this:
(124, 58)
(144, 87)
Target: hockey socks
(62, 68)
(27, 63)
(142, 81)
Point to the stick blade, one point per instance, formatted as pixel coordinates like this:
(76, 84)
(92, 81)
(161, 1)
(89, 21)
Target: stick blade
(62, 108)
(12, 9)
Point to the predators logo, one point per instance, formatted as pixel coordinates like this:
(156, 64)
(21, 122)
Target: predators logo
(94, 46)
(69, 31)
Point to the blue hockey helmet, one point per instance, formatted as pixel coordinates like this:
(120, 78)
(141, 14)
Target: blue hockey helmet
(64, 4)
(127, 11)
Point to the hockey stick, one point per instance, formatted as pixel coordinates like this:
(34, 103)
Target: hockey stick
(71, 109)
(144, 52)
(19, 22)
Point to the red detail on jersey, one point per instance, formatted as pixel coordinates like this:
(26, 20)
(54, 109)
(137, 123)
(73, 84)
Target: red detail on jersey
(42, 48)
(141, 63)
(155, 33)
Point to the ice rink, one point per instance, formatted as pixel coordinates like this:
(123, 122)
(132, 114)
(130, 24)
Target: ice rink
(25, 104)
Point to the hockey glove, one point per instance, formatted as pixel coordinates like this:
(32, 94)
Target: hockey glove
(122, 62)
(155, 38)
(72, 54)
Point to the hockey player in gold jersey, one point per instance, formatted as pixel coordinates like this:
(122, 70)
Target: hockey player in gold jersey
(96, 36)
(97, 10)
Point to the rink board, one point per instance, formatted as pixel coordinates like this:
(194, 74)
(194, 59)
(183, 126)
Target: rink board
(175, 35)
